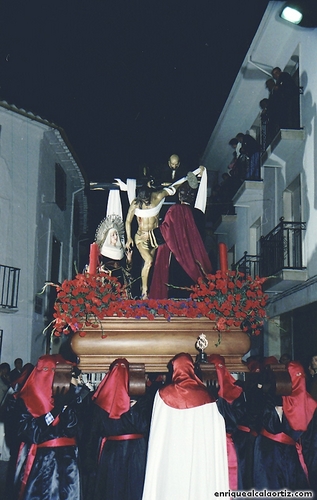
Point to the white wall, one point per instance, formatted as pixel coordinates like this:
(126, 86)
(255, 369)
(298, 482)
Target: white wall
(29, 217)
(20, 139)
(276, 43)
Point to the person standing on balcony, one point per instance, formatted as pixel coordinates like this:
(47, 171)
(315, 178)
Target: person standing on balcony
(265, 140)
(239, 166)
(251, 148)
(288, 97)
(273, 110)
(236, 146)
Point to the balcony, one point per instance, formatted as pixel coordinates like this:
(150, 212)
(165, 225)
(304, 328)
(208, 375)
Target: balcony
(239, 191)
(220, 212)
(287, 145)
(281, 256)
(224, 224)
(249, 265)
(9, 287)
(280, 259)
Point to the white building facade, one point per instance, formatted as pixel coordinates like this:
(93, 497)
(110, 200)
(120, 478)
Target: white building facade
(272, 229)
(43, 219)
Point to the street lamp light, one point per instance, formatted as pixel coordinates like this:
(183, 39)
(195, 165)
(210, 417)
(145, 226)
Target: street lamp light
(291, 14)
(301, 12)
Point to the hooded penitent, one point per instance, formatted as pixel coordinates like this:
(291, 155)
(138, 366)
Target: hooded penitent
(227, 388)
(299, 407)
(37, 390)
(112, 394)
(186, 389)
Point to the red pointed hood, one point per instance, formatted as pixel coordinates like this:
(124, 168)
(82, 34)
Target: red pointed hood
(299, 407)
(227, 388)
(186, 389)
(37, 390)
(112, 394)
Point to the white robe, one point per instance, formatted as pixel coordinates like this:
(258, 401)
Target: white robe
(187, 454)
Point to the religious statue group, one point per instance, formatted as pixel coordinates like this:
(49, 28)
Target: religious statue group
(190, 433)
(169, 218)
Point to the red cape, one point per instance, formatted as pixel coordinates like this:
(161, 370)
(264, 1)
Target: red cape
(183, 240)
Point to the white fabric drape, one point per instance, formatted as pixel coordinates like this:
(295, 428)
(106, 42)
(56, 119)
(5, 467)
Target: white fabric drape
(114, 205)
(187, 454)
(201, 198)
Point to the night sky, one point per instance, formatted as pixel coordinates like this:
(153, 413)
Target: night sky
(130, 81)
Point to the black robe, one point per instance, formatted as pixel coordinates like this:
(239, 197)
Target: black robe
(277, 465)
(233, 413)
(309, 441)
(55, 471)
(120, 467)
(248, 426)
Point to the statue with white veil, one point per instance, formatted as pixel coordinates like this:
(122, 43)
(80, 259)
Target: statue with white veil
(114, 258)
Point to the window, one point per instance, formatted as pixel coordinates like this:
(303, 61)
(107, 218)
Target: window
(60, 187)
(293, 233)
(292, 210)
(76, 226)
(255, 235)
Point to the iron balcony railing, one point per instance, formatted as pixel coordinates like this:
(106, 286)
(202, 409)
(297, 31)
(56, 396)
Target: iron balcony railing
(249, 265)
(282, 248)
(9, 286)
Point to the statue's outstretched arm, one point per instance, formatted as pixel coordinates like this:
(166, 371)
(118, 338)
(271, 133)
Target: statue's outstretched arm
(198, 172)
(128, 222)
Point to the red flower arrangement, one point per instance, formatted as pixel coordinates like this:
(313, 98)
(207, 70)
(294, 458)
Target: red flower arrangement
(229, 299)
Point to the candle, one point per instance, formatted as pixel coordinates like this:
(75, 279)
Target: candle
(93, 258)
(223, 257)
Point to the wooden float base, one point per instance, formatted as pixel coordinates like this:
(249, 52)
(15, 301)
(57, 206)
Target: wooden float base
(155, 342)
